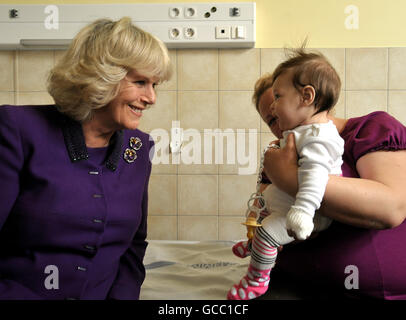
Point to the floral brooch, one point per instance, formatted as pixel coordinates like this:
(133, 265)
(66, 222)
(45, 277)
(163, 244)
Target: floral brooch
(130, 154)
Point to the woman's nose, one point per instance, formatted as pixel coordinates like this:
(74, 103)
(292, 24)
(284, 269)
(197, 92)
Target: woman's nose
(150, 94)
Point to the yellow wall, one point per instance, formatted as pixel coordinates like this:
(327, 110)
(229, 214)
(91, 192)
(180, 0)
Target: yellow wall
(287, 22)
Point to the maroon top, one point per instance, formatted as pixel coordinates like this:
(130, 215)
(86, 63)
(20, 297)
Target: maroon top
(379, 255)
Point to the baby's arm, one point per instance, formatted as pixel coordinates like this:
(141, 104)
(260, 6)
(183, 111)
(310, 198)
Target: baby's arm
(315, 161)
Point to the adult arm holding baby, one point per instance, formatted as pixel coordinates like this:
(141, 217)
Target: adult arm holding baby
(376, 201)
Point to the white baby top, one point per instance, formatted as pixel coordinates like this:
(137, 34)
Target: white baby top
(320, 149)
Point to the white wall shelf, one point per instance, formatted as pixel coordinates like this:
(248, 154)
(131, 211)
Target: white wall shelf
(178, 25)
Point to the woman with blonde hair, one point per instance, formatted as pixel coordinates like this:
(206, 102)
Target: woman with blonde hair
(75, 175)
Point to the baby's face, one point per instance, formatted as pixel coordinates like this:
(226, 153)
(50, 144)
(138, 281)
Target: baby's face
(288, 105)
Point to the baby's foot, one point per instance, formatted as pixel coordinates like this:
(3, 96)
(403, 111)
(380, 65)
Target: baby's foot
(242, 249)
(251, 286)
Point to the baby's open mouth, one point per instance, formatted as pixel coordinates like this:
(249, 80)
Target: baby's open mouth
(272, 121)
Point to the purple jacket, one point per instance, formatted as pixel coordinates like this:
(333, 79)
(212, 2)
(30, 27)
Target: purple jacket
(70, 216)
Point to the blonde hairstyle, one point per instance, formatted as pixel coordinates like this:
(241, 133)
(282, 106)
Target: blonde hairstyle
(262, 84)
(309, 68)
(88, 75)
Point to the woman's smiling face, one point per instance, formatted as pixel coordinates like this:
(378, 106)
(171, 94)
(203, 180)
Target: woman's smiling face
(136, 93)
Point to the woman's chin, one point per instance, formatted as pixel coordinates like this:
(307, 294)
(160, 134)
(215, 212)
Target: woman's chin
(132, 125)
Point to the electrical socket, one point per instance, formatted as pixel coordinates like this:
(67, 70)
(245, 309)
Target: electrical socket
(174, 33)
(190, 12)
(189, 32)
(175, 12)
(223, 32)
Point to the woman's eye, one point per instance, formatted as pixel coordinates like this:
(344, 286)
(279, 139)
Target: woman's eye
(139, 82)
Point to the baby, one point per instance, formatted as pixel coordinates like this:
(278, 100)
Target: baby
(296, 100)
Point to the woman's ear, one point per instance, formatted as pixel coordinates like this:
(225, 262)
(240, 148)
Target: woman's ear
(308, 95)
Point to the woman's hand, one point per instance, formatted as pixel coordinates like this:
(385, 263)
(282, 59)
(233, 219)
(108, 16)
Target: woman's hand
(280, 166)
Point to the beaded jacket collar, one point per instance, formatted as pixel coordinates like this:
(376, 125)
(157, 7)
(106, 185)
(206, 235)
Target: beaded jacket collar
(76, 146)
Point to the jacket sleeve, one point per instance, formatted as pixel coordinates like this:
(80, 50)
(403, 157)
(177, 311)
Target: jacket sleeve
(131, 272)
(11, 164)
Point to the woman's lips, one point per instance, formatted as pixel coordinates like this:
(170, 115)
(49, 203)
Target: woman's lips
(136, 110)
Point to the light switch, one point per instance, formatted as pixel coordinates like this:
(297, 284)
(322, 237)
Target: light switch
(240, 32)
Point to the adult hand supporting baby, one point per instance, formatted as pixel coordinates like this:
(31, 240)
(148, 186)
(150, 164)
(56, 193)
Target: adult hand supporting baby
(280, 166)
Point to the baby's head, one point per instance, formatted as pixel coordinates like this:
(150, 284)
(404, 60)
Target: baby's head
(305, 69)
(312, 68)
(309, 68)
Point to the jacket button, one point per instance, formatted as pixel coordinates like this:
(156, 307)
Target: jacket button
(97, 196)
(90, 248)
(81, 268)
(97, 221)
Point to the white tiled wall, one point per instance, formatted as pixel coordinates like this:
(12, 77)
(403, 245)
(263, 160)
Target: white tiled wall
(212, 89)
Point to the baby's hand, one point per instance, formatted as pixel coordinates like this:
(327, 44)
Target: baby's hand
(299, 224)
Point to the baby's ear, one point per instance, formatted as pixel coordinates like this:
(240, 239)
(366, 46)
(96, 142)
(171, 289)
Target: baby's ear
(308, 95)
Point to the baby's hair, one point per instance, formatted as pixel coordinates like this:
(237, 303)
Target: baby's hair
(262, 84)
(309, 68)
(312, 68)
